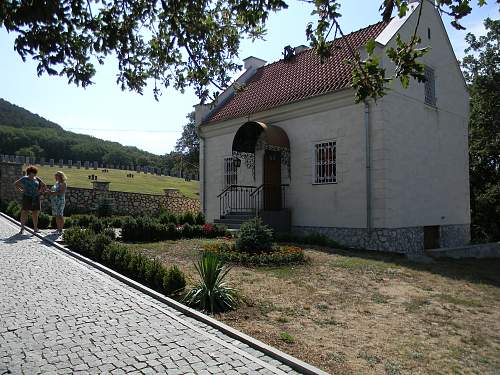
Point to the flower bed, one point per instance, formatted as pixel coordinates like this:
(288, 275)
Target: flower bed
(276, 256)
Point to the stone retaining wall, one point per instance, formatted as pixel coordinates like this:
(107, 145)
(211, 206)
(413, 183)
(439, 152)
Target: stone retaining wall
(9, 173)
(124, 203)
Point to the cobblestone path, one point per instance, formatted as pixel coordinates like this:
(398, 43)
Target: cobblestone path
(61, 316)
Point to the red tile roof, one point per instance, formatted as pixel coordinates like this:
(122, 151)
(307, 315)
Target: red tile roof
(302, 77)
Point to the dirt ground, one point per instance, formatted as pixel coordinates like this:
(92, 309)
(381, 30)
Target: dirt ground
(364, 312)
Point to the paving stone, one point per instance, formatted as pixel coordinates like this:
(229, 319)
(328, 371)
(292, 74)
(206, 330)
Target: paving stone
(59, 315)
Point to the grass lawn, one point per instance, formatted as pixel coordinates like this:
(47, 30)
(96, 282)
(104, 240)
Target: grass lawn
(141, 183)
(366, 313)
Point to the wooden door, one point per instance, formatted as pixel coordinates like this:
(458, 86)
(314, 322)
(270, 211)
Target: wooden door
(431, 237)
(272, 180)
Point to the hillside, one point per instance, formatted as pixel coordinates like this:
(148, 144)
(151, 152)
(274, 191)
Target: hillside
(18, 117)
(25, 133)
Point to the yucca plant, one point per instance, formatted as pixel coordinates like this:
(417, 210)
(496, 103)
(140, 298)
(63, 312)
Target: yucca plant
(212, 294)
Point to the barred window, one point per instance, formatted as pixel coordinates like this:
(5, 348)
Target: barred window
(430, 86)
(230, 172)
(325, 162)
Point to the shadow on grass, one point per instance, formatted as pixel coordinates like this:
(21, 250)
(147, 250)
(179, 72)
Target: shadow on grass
(485, 271)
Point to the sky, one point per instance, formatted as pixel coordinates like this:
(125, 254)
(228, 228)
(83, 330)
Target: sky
(105, 111)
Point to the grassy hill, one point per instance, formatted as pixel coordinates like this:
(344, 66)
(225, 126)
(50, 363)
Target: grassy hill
(18, 117)
(25, 133)
(141, 183)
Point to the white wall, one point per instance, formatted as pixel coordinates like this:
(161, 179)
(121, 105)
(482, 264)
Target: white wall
(342, 204)
(424, 166)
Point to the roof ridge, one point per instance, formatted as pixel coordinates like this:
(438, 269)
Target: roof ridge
(310, 49)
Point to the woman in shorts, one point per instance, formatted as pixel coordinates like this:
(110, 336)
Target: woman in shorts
(58, 200)
(31, 186)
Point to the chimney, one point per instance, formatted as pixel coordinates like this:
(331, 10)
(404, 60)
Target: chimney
(253, 63)
(201, 111)
(300, 49)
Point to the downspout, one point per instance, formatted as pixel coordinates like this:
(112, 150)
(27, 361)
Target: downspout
(202, 174)
(368, 169)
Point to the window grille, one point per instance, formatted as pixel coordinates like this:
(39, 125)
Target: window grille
(230, 172)
(430, 86)
(325, 162)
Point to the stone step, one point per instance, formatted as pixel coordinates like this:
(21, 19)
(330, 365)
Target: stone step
(237, 217)
(229, 224)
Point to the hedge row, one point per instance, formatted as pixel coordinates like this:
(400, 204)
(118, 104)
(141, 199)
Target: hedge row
(144, 229)
(167, 217)
(150, 272)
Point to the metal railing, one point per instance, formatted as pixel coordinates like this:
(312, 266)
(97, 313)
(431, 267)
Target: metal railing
(243, 199)
(270, 197)
(236, 199)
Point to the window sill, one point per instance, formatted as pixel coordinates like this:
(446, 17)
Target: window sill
(324, 183)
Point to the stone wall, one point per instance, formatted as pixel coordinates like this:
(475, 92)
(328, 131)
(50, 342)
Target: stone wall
(398, 240)
(124, 203)
(9, 173)
(82, 200)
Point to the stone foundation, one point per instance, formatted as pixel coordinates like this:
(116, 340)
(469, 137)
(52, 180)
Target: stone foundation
(454, 235)
(398, 240)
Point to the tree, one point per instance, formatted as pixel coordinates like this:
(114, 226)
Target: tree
(31, 151)
(188, 146)
(482, 71)
(184, 43)
(117, 157)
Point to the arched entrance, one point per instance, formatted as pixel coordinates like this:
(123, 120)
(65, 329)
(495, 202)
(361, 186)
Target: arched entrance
(268, 193)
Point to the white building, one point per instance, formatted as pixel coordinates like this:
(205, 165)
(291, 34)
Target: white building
(293, 146)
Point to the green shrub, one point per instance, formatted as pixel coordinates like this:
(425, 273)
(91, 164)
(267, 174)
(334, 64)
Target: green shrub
(79, 240)
(254, 237)
(82, 220)
(13, 210)
(211, 293)
(168, 217)
(86, 242)
(187, 231)
(144, 229)
(116, 222)
(96, 225)
(199, 218)
(174, 281)
(151, 269)
(109, 232)
(172, 232)
(43, 220)
(139, 267)
(187, 218)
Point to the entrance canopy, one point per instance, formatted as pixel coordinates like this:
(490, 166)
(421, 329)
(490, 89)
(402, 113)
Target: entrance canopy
(247, 135)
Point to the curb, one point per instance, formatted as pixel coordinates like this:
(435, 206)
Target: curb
(294, 363)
